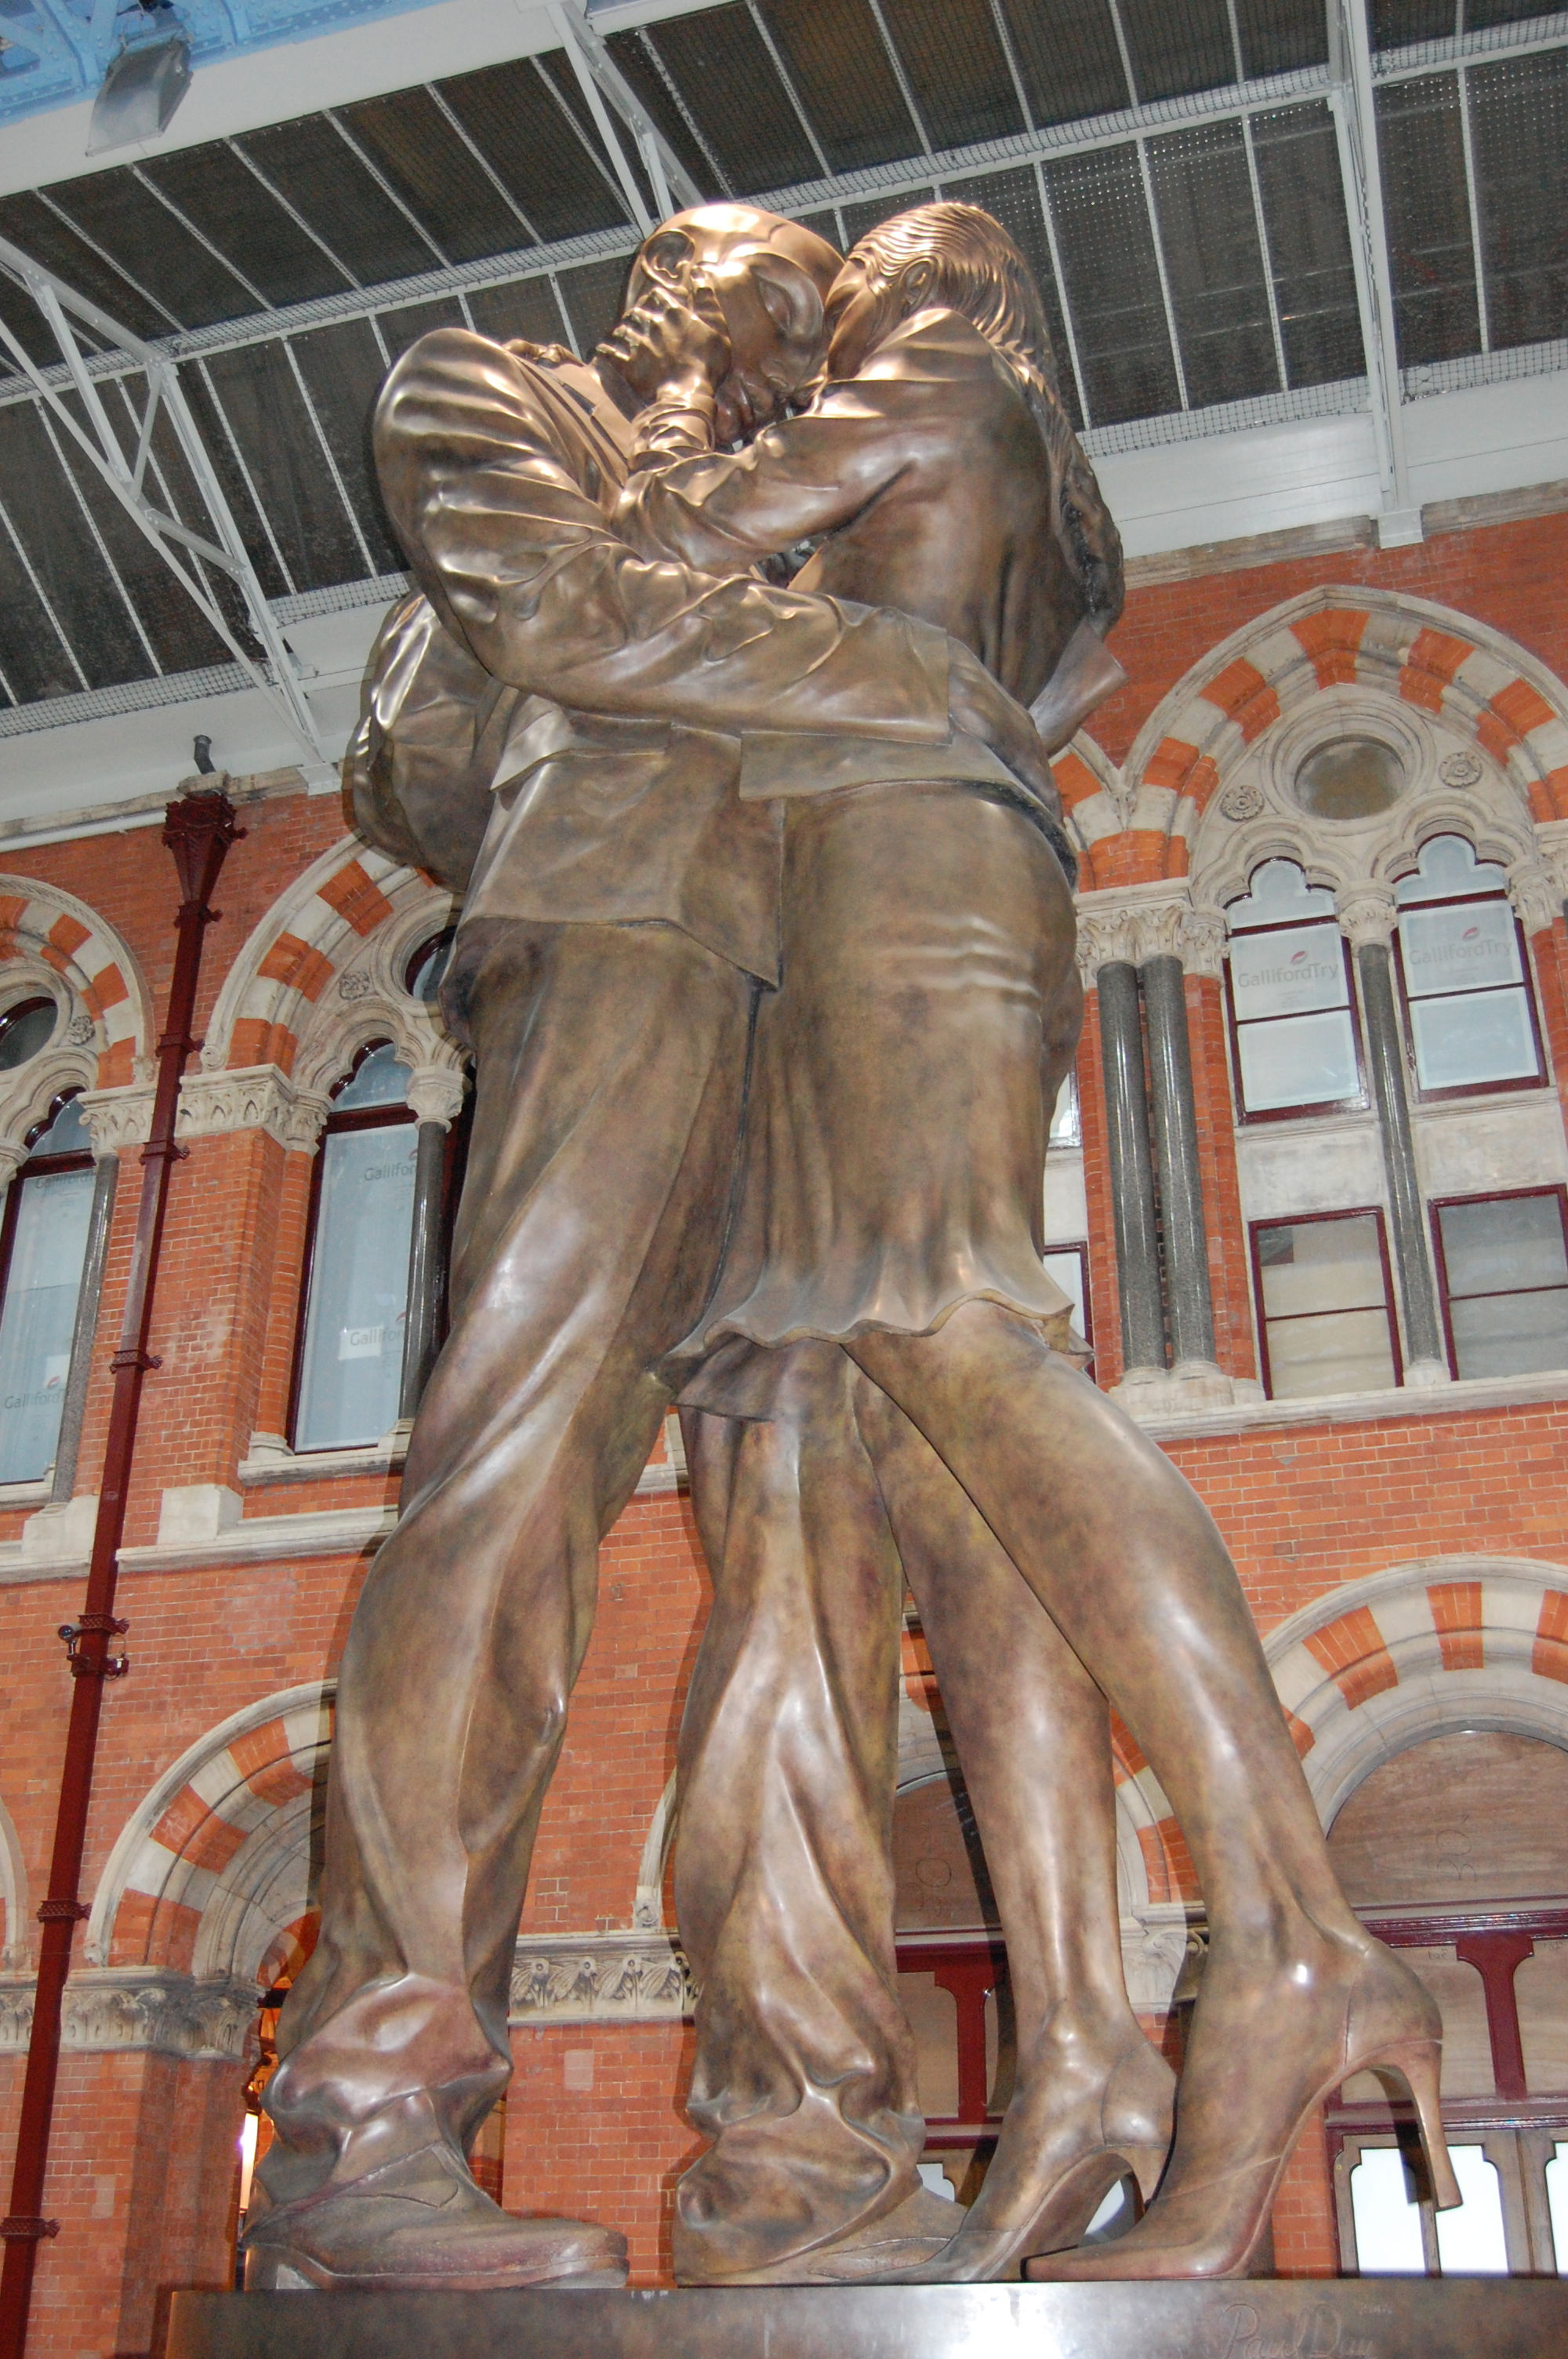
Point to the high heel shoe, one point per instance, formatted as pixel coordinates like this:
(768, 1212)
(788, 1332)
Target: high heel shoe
(1124, 2130)
(1212, 2226)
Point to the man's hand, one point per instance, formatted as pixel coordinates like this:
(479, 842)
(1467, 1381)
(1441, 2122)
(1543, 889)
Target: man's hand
(977, 704)
(672, 342)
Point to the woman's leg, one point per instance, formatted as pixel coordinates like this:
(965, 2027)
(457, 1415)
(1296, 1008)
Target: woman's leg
(1128, 1564)
(1033, 1741)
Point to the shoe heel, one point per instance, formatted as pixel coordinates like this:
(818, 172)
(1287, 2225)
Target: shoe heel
(1147, 2164)
(1417, 2065)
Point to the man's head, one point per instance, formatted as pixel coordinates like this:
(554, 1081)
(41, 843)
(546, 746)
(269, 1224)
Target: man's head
(769, 277)
(951, 256)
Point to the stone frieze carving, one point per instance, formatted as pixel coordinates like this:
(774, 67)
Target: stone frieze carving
(115, 2010)
(631, 1977)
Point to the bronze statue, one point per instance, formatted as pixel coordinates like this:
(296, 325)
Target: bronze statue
(621, 913)
(894, 1162)
(686, 806)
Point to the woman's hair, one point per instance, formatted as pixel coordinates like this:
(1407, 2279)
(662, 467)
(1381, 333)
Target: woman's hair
(979, 273)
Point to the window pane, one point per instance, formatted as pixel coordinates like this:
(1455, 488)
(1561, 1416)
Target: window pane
(1066, 1126)
(1279, 892)
(1067, 1269)
(1285, 974)
(1491, 1247)
(1447, 865)
(1321, 1266)
(1511, 1335)
(1387, 2220)
(1302, 1060)
(1557, 2198)
(359, 1289)
(1342, 1352)
(1459, 1042)
(1466, 947)
(1470, 2241)
(46, 1252)
(381, 1081)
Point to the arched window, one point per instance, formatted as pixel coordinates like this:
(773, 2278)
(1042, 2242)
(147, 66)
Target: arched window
(1293, 1015)
(349, 1368)
(23, 1030)
(43, 1249)
(1468, 1007)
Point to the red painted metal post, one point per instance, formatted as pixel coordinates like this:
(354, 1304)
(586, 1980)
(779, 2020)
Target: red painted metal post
(197, 830)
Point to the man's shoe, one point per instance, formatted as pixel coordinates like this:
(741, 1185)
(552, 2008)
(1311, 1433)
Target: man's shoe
(420, 2224)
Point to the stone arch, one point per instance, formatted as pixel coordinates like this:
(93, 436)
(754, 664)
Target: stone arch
(53, 946)
(1509, 711)
(214, 1871)
(322, 974)
(1422, 1650)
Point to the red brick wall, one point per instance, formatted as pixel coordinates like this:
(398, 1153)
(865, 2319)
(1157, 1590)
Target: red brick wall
(1305, 1508)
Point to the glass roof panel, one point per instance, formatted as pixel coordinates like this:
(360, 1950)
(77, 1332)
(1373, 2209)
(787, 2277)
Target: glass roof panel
(1518, 126)
(720, 64)
(1113, 285)
(1208, 227)
(1422, 148)
(1177, 45)
(437, 174)
(959, 69)
(840, 67)
(262, 402)
(227, 204)
(28, 222)
(170, 260)
(343, 369)
(527, 308)
(1068, 57)
(48, 522)
(643, 68)
(1309, 244)
(1280, 35)
(593, 297)
(313, 166)
(513, 118)
(1014, 198)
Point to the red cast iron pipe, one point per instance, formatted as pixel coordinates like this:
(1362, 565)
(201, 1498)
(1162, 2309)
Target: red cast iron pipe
(198, 829)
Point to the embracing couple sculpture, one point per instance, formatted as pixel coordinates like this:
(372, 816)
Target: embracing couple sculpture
(767, 964)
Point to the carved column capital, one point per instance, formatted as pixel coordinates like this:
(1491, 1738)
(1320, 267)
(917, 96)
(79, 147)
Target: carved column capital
(1145, 923)
(436, 1093)
(1536, 890)
(1367, 917)
(117, 1118)
(1106, 938)
(252, 1097)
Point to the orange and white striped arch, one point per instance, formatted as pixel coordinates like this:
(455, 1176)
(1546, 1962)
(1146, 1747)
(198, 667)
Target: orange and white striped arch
(212, 1873)
(49, 936)
(1485, 686)
(279, 992)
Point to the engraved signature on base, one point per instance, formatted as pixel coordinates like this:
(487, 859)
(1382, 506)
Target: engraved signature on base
(1314, 2333)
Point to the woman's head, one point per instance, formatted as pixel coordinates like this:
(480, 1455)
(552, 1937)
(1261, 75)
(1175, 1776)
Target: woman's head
(948, 257)
(957, 258)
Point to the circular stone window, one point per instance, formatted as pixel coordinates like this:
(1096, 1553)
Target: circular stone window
(1355, 777)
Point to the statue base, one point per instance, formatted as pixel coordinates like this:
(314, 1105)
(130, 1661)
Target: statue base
(1342, 2318)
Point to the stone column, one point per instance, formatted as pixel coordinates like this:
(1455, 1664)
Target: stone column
(436, 1095)
(1174, 936)
(1369, 922)
(1131, 1171)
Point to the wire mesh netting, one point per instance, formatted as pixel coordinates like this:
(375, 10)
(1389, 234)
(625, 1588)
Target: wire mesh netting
(222, 198)
(958, 70)
(1433, 257)
(1308, 238)
(515, 118)
(731, 90)
(839, 64)
(424, 156)
(1518, 126)
(1214, 263)
(283, 456)
(1107, 243)
(527, 308)
(343, 369)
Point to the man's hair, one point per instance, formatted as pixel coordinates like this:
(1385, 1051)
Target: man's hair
(979, 273)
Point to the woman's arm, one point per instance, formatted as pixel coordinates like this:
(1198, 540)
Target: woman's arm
(723, 512)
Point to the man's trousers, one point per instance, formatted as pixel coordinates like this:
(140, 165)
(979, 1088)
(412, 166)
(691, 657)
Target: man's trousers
(611, 1084)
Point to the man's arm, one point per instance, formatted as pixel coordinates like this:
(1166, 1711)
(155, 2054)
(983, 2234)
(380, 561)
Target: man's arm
(475, 457)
